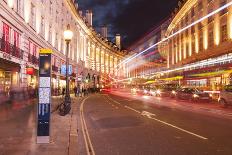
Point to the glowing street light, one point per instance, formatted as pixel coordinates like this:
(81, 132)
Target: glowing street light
(68, 34)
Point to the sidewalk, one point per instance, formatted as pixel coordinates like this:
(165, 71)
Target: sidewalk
(63, 133)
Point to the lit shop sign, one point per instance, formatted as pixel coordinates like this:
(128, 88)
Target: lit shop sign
(210, 74)
(30, 71)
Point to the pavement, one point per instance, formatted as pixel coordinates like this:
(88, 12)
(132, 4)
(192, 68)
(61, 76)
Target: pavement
(115, 125)
(18, 129)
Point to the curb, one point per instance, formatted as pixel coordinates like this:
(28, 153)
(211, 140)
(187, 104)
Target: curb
(73, 135)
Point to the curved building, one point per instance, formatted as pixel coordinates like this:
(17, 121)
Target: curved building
(204, 49)
(26, 26)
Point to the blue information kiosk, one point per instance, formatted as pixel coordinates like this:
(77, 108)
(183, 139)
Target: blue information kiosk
(44, 106)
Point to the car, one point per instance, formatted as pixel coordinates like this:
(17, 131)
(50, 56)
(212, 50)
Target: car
(167, 90)
(193, 94)
(225, 97)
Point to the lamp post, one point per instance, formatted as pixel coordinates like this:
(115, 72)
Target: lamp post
(68, 34)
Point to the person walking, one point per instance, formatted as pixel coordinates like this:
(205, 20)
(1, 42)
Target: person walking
(63, 92)
(75, 91)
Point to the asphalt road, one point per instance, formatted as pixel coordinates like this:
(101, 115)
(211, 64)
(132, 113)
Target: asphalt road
(115, 125)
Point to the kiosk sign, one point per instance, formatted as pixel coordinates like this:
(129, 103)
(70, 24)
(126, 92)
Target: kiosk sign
(43, 124)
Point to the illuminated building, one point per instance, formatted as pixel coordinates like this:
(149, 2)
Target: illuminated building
(152, 59)
(205, 41)
(26, 26)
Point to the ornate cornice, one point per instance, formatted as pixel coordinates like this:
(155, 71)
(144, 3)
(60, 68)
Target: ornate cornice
(181, 13)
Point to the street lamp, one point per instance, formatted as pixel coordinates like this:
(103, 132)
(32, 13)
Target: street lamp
(68, 34)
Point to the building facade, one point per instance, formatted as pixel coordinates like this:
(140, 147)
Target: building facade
(204, 49)
(152, 60)
(26, 26)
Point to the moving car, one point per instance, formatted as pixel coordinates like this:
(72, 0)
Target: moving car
(225, 97)
(192, 94)
(166, 90)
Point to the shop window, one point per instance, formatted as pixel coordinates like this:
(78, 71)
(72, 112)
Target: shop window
(224, 33)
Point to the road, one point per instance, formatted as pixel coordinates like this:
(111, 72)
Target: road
(110, 124)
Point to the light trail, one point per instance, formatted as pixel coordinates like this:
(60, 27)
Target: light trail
(176, 33)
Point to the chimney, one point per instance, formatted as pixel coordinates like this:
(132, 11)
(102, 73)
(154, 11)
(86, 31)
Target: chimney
(89, 17)
(104, 32)
(118, 40)
(80, 13)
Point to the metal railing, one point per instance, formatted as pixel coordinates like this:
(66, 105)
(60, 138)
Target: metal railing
(33, 59)
(10, 49)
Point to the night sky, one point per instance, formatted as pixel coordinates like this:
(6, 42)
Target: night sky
(130, 18)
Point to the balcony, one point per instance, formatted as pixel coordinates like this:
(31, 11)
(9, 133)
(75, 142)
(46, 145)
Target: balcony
(33, 59)
(12, 50)
(55, 69)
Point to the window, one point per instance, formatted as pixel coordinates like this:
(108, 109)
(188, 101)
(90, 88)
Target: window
(16, 39)
(200, 6)
(19, 6)
(42, 27)
(57, 14)
(33, 16)
(193, 43)
(6, 38)
(51, 11)
(192, 12)
(224, 11)
(200, 40)
(224, 33)
(50, 34)
(211, 39)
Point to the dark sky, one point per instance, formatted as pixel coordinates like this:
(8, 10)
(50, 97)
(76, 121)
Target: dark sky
(130, 18)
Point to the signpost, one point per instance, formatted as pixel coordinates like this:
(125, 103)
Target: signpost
(43, 124)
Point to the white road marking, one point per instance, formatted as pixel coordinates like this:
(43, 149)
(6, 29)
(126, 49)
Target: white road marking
(191, 133)
(132, 109)
(88, 143)
(148, 114)
(163, 122)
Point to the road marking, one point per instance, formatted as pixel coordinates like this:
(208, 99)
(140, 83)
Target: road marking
(148, 114)
(113, 100)
(191, 133)
(88, 143)
(132, 109)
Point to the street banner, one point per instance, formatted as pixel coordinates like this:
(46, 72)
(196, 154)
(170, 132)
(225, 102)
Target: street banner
(44, 106)
(63, 69)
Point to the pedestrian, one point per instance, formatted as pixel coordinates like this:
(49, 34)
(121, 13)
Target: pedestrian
(63, 92)
(75, 91)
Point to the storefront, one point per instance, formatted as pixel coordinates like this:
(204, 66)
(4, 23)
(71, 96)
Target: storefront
(9, 75)
(32, 77)
(211, 78)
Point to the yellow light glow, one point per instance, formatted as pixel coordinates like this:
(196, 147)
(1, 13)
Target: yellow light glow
(205, 37)
(190, 46)
(196, 44)
(184, 50)
(217, 31)
(10, 3)
(230, 23)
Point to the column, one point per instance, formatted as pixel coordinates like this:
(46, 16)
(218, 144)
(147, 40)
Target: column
(100, 60)
(95, 57)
